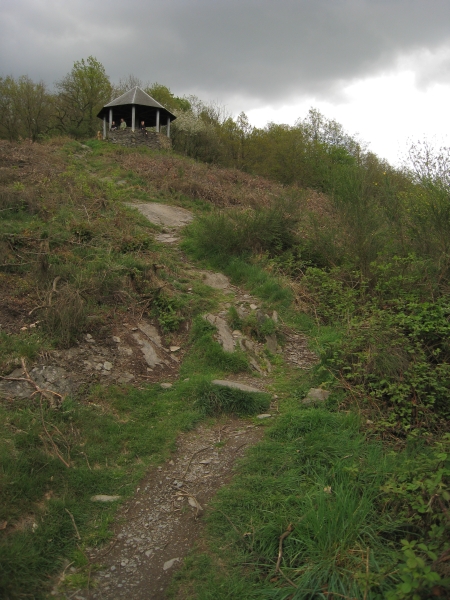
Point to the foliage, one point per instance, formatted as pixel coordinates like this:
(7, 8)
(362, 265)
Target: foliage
(25, 107)
(81, 94)
(270, 230)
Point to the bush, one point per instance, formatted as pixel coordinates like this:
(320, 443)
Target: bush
(240, 233)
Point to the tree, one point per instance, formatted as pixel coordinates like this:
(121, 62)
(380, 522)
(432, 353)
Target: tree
(164, 96)
(25, 107)
(125, 84)
(9, 108)
(82, 93)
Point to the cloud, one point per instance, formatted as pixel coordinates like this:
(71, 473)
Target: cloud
(265, 51)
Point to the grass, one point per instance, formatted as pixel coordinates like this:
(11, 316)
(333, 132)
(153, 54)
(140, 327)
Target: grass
(70, 246)
(317, 474)
(215, 400)
(109, 441)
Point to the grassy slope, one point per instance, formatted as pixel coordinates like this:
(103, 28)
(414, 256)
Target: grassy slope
(71, 224)
(349, 498)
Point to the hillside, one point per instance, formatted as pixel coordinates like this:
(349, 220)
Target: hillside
(270, 286)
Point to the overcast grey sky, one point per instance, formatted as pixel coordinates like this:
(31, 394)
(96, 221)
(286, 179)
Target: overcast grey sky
(351, 58)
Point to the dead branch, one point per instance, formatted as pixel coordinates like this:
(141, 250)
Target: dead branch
(367, 574)
(190, 460)
(287, 579)
(48, 303)
(283, 536)
(55, 447)
(74, 524)
(49, 394)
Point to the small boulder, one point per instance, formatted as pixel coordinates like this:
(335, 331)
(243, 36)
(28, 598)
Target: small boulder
(315, 395)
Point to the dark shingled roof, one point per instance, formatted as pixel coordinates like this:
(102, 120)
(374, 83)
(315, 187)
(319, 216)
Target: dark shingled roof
(146, 108)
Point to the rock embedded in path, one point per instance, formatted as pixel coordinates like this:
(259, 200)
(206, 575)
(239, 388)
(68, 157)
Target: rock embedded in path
(169, 564)
(223, 332)
(104, 498)
(315, 395)
(218, 281)
(236, 385)
(272, 343)
(163, 214)
(263, 416)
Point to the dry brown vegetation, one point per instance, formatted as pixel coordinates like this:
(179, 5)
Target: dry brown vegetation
(221, 187)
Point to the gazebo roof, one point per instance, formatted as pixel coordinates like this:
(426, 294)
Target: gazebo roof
(135, 97)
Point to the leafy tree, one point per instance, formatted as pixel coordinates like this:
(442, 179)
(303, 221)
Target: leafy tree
(81, 94)
(9, 108)
(164, 96)
(25, 107)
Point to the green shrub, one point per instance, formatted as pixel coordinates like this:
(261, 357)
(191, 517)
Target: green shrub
(243, 232)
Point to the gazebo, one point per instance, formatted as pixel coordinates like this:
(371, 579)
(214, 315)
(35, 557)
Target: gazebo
(133, 107)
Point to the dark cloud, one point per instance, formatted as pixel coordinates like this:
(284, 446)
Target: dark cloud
(261, 50)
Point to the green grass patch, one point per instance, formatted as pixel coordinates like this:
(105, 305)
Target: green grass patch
(207, 355)
(108, 442)
(215, 400)
(344, 501)
(15, 346)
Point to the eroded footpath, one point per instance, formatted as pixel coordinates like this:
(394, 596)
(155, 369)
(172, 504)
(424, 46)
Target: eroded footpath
(155, 529)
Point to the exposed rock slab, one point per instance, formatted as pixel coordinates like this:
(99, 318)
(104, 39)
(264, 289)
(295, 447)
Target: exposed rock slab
(236, 385)
(163, 214)
(218, 281)
(47, 377)
(224, 333)
(315, 395)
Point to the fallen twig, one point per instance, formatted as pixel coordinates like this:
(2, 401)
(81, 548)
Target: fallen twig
(47, 393)
(85, 456)
(55, 447)
(283, 536)
(73, 522)
(190, 460)
(111, 546)
(231, 523)
(367, 574)
(287, 579)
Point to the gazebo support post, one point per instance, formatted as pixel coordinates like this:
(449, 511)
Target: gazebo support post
(110, 118)
(133, 118)
(168, 127)
(157, 120)
(104, 128)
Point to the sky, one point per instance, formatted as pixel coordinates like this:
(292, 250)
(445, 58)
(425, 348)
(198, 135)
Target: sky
(379, 67)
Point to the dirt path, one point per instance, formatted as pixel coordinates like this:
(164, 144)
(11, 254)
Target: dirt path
(156, 528)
